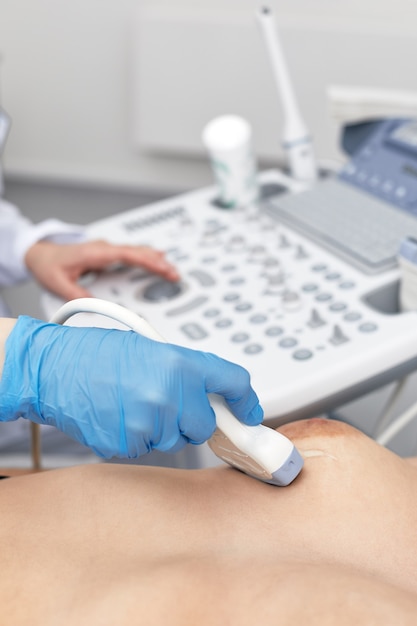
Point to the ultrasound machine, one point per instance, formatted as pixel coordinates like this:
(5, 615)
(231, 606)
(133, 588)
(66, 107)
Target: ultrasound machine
(302, 288)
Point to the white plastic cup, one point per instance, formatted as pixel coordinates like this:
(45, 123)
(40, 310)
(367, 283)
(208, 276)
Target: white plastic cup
(228, 140)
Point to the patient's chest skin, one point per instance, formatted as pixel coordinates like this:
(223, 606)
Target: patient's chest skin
(108, 540)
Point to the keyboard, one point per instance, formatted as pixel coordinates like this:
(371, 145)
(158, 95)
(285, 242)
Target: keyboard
(355, 226)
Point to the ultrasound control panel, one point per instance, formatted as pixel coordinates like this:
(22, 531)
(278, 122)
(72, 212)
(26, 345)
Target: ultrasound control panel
(313, 331)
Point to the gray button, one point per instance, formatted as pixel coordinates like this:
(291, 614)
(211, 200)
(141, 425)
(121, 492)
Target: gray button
(275, 280)
(161, 290)
(338, 306)
(315, 320)
(239, 337)
(208, 260)
(319, 267)
(374, 181)
(239, 280)
(309, 287)
(283, 242)
(231, 297)
(211, 312)
(353, 316)
(253, 348)
(257, 249)
(302, 354)
(347, 284)
(338, 336)
(258, 318)
(228, 268)
(274, 331)
(290, 296)
(236, 243)
(323, 297)
(194, 331)
(210, 238)
(224, 323)
(288, 342)
(243, 306)
(213, 223)
(368, 327)
(332, 276)
(291, 300)
(301, 253)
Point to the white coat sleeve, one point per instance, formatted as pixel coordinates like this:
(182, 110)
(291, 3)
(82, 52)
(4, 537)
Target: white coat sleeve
(17, 234)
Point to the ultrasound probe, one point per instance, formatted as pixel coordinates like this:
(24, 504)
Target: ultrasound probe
(259, 451)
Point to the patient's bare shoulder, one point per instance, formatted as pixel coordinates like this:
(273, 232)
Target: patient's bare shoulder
(338, 441)
(348, 465)
(319, 428)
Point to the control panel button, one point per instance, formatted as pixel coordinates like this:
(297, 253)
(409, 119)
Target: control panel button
(337, 306)
(161, 290)
(387, 186)
(194, 331)
(288, 342)
(301, 253)
(302, 354)
(324, 297)
(231, 297)
(319, 267)
(259, 318)
(352, 316)
(224, 323)
(291, 300)
(238, 280)
(243, 307)
(309, 287)
(332, 276)
(368, 327)
(253, 348)
(401, 192)
(274, 331)
(315, 320)
(240, 337)
(338, 337)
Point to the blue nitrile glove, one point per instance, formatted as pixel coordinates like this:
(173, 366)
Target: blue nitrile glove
(115, 391)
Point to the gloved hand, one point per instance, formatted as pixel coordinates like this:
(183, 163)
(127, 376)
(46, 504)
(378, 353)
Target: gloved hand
(116, 391)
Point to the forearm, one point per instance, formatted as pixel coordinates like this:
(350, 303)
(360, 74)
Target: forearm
(6, 325)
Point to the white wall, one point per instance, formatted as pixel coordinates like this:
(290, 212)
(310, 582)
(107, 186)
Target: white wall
(68, 79)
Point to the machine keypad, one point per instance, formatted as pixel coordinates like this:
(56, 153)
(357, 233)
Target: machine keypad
(283, 298)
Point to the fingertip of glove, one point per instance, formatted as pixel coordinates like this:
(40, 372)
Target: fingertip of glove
(256, 416)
